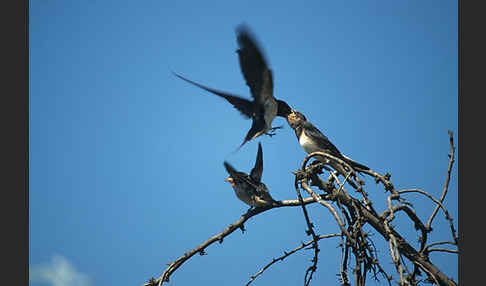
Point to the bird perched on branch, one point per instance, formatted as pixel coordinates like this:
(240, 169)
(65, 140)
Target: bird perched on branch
(264, 107)
(312, 140)
(249, 188)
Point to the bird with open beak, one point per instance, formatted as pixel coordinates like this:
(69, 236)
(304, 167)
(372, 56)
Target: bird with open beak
(249, 188)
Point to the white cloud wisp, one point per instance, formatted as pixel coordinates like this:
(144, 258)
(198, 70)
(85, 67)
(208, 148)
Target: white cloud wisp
(58, 272)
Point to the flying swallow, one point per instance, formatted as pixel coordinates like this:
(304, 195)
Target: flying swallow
(312, 140)
(264, 107)
(249, 188)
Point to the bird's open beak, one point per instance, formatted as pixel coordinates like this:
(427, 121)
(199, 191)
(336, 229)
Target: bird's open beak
(230, 180)
(291, 118)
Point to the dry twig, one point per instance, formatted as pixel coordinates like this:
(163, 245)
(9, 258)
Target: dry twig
(239, 224)
(356, 214)
(287, 254)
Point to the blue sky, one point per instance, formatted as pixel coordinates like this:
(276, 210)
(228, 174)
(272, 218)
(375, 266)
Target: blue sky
(126, 160)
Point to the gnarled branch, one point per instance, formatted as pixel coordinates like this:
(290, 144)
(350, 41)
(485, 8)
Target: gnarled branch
(356, 213)
(239, 224)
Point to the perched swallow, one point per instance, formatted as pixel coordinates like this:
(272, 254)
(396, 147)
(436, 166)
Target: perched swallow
(249, 188)
(312, 140)
(264, 107)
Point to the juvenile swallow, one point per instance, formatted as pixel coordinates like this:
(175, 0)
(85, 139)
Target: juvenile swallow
(312, 140)
(249, 188)
(264, 107)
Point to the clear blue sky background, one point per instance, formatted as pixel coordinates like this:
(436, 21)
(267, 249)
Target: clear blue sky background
(126, 160)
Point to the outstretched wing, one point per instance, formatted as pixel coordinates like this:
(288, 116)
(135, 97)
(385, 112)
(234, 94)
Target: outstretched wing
(236, 175)
(253, 65)
(256, 172)
(244, 106)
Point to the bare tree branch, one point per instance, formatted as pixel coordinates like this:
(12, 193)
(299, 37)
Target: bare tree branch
(439, 243)
(355, 214)
(310, 231)
(388, 233)
(287, 254)
(448, 177)
(439, 204)
(331, 209)
(343, 274)
(239, 224)
(443, 250)
(401, 244)
(411, 214)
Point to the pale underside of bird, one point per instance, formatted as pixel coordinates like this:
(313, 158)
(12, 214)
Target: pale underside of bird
(312, 140)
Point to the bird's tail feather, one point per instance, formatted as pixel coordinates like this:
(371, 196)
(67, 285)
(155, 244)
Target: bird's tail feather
(355, 164)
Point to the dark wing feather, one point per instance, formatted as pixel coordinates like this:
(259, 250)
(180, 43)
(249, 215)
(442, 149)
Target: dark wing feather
(231, 171)
(311, 131)
(256, 172)
(244, 106)
(236, 175)
(264, 194)
(321, 139)
(253, 65)
(257, 125)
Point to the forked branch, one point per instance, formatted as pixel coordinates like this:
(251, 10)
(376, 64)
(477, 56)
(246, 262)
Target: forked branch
(356, 213)
(239, 224)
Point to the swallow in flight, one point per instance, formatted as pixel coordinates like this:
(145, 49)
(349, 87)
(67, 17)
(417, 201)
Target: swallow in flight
(312, 140)
(264, 107)
(249, 188)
